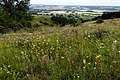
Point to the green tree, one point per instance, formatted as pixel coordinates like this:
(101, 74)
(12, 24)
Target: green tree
(15, 14)
(61, 20)
(72, 21)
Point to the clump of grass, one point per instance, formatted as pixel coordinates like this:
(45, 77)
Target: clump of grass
(100, 33)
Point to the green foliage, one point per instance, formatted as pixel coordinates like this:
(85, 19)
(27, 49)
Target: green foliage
(42, 20)
(59, 20)
(62, 20)
(14, 14)
(99, 20)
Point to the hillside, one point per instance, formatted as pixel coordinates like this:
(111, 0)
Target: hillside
(87, 52)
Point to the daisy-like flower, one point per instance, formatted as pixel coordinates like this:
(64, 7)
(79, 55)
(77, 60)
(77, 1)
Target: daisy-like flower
(115, 41)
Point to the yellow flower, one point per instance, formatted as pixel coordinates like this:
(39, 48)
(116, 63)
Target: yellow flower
(98, 56)
(62, 57)
(95, 62)
(89, 63)
(57, 41)
(87, 56)
(22, 52)
(50, 51)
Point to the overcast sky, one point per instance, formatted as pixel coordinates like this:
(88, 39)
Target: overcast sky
(77, 2)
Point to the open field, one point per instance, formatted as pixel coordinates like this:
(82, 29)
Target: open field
(87, 52)
(83, 14)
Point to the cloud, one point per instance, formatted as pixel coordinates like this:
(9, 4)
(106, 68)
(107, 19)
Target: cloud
(77, 2)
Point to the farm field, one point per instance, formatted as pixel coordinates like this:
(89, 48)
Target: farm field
(87, 52)
(86, 15)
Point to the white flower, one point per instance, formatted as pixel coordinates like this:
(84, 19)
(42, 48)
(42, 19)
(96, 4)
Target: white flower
(8, 72)
(88, 35)
(115, 41)
(8, 65)
(83, 67)
(94, 67)
(84, 61)
(119, 51)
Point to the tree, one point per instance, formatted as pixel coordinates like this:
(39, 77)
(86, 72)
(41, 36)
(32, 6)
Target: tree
(61, 20)
(15, 12)
(72, 22)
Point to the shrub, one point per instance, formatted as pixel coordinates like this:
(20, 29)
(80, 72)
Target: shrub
(99, 20)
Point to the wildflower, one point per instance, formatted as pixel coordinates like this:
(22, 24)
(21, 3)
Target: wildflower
(102, 45)
(62, 57)
(84, 61)
(78, 76)
(98, 56)
(52, 48)
(87, 56)
(69, 47)
(8, 72)
(95, 62)
(84, 67)
(22, 52)
(28, 75)
(115, 41)
(94, 67)
(44, 40)
(89, 36)
(89, 63)
(118, 51)
(51, 52)
(57, 41)
(8, 65)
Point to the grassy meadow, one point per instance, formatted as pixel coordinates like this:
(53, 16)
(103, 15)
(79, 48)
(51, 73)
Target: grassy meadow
(87, 52)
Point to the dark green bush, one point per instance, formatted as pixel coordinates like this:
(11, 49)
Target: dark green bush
(99, 20)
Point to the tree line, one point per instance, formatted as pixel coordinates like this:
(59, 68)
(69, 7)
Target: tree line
(63, 20)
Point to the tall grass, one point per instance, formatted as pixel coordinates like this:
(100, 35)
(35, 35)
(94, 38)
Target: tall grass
(73, 54)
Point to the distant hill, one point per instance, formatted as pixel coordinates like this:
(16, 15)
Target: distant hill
(78, 7)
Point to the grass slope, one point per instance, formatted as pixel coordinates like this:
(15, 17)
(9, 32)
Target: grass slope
(87, 52)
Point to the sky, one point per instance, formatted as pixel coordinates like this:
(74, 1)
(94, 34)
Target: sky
(78, 2)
